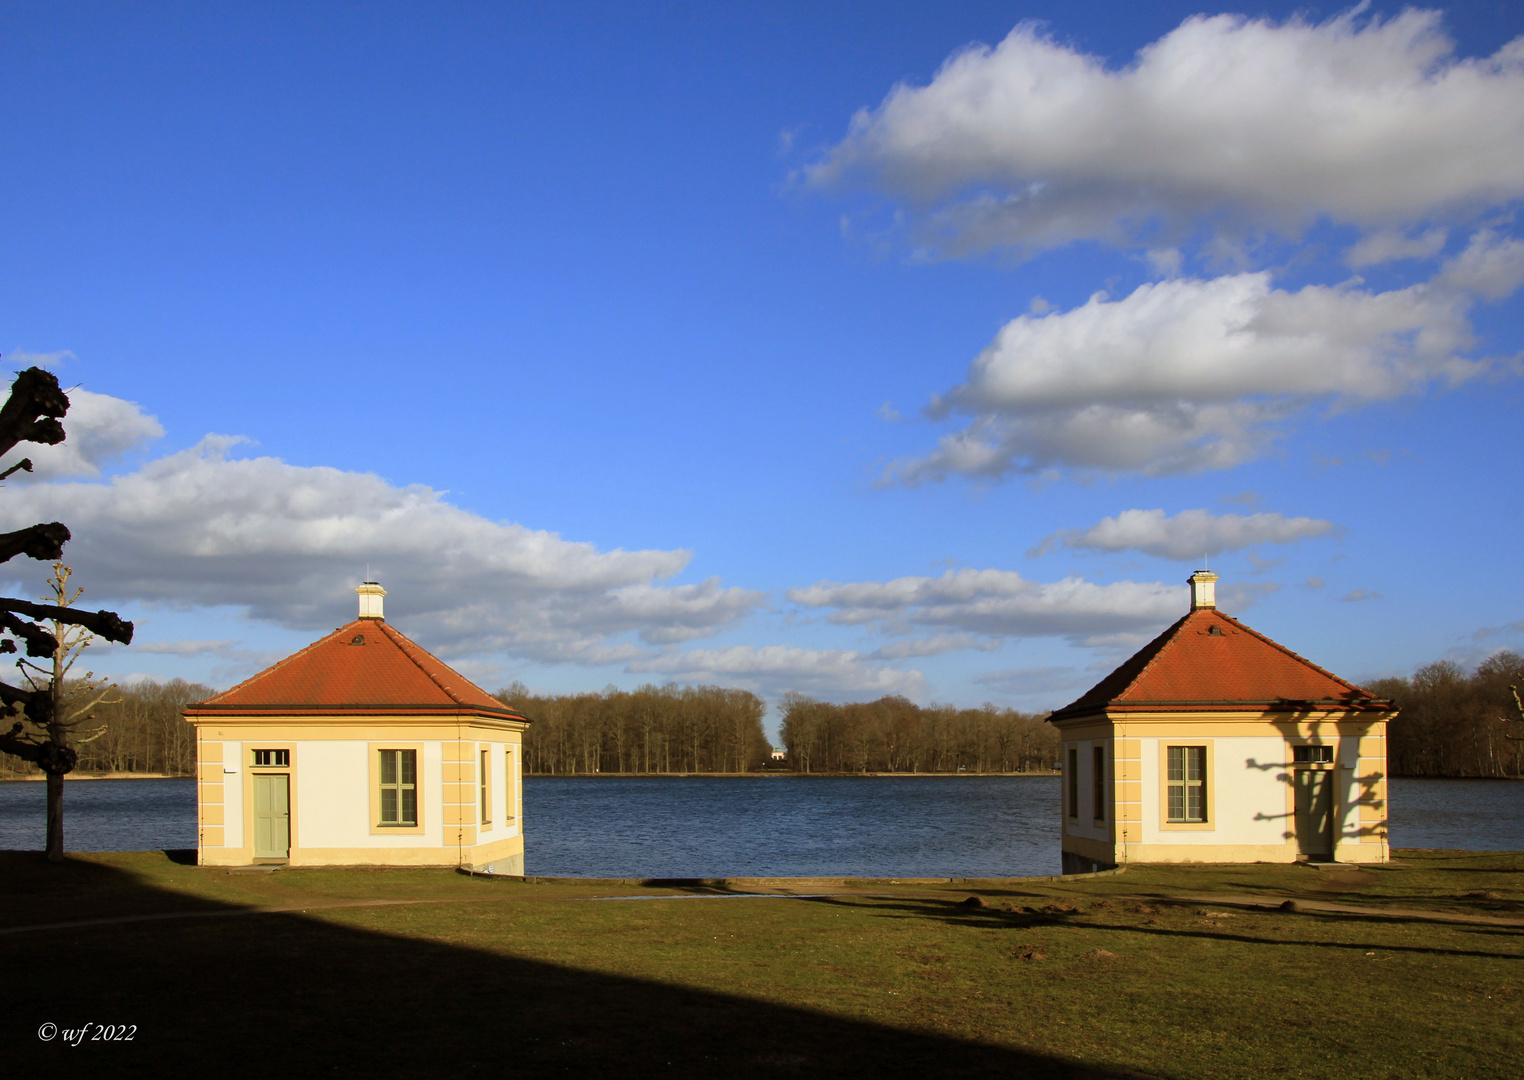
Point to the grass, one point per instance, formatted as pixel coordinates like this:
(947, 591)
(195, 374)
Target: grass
(1168, 972)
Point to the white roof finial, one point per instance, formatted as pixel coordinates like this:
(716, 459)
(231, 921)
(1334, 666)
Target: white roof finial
(1203, 585)
(370, 599)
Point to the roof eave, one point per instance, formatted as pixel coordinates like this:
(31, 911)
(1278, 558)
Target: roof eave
(296, 711)
(1284, 705)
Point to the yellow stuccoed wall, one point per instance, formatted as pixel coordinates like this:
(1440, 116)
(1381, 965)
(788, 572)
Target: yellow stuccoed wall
(1127, 789)
(1132, 832)
(450, 832)
(209, 795)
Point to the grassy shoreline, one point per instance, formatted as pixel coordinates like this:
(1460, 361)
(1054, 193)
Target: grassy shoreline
(1180, 972)
(73, 776)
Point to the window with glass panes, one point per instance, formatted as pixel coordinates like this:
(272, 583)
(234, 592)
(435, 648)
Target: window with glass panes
(486, 787)
(399, 787)
(1187, 783)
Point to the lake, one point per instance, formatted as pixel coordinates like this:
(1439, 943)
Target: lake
(771, 826)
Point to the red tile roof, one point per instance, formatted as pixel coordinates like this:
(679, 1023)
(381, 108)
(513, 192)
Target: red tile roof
(363, 669)
(1210, 661)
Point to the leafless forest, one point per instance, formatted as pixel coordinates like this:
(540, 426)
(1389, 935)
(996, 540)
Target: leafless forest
(1455, 724)
(667, 729)
(138, 729)
(1452, 723)
(894, 734)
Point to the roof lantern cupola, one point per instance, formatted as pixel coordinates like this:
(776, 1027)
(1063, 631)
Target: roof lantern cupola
(370, 600)
(1203, 585)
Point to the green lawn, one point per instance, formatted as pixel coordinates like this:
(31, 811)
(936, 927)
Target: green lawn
(1142, 972)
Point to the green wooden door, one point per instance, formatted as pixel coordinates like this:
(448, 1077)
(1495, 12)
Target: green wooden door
(272, 816)
(1314, 812)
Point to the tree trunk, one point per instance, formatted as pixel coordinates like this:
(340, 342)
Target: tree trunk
(55, 848)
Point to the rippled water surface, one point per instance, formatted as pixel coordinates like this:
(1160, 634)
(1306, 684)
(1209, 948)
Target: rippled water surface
(786, 826)
(781, 826)
(102, 815)
(1472, 815)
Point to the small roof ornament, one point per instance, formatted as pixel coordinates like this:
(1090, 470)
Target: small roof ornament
(370, 600)
(1203, 585)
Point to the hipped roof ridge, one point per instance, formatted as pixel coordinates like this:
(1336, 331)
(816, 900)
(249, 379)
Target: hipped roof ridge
(1298, 657)
(1238, 678)
(401, 641)
(273, 668)
(324, 677)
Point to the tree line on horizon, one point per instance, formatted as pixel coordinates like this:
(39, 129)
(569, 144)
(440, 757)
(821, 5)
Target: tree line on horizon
(1451, 723)
(667, 729)
(893, 734)
(137, 729)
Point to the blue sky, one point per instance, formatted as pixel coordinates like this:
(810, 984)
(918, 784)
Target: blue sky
(846, 349)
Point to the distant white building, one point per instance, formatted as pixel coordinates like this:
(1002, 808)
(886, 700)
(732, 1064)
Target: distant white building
(1215, 744)
(779, 753)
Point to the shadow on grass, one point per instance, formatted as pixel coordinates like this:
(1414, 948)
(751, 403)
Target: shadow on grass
(958, 914)
(284, 994)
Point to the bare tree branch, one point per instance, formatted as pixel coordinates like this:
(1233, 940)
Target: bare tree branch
(24, 465)
(48, 756)
(32, 412)
(36, 704)
(106, 624)
(39, 642)
(43, 542)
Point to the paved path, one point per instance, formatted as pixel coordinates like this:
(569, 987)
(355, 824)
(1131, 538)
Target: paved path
(1303, 904)
(1321, 907)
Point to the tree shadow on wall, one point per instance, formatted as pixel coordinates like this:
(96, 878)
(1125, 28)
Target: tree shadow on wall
(287, 995)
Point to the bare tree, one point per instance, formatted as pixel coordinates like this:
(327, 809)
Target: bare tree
(72, 701)
(32, 414)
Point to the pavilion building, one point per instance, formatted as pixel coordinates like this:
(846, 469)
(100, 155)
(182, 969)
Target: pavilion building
(1215, 744)
(361, 749)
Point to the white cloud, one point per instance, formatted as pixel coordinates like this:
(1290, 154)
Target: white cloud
(225, 648)
(99, 429)
(1390, 245)
(999, 604)
(1356, 595)
(1190, 534)
(50, 360)
(935, 645)
(289, 543)
(1165, 262)
(1188, 374)
(1036, 680)
(1492, 267)
(774, 670)
(1507, 629)
(1032, 144)
(1243, 498)
(1240, 595)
